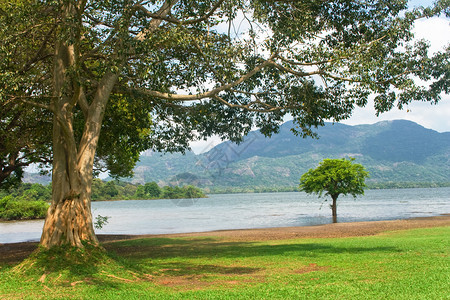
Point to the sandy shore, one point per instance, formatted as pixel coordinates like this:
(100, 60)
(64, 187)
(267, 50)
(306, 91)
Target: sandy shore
(320, 231)
(12, 253)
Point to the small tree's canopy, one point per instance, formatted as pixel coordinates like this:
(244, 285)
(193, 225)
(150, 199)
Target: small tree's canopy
(335, 177)
(183, 70)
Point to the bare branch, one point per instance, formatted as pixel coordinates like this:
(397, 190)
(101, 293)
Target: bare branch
(256, 94)
(98, 22)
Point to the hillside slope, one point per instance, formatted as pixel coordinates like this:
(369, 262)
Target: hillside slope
(392, 151)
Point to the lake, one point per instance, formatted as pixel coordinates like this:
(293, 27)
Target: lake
(242, 211)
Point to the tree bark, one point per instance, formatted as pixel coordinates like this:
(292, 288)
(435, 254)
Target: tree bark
(69, 218)
(334, 208)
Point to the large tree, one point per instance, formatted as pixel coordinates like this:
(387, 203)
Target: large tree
(157, 74)
(334, 177)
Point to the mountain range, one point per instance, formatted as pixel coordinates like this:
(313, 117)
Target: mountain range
(392, 151)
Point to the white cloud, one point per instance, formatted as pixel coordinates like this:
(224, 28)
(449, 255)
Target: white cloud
(437, 117)
(435, 30)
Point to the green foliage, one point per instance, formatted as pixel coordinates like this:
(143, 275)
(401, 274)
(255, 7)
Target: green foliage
(171, 192)
(184, 192)
(112, 190)
(11, 209)
(150, 190)
(190, 191)
(25, 201)
(100, 221)
(29, 192)
(118, 190)
(109, 189)
(25, 131)
(335, 177)
(30, 201)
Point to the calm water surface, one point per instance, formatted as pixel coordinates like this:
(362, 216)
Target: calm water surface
(241, 211)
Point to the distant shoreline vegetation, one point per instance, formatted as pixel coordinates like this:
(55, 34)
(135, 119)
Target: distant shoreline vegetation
(370, 186)
(405, 185)
(30, 201)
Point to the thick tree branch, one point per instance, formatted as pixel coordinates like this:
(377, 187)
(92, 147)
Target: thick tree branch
(157, 17)
(208, 94)
(249, 107)
(315, 63)
(39, 54)
(82, 101)
(162, 17)
(293, 72)
(32, 103)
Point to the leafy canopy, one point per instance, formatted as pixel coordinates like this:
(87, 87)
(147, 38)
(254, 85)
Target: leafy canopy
(186, 70)
(334, 177)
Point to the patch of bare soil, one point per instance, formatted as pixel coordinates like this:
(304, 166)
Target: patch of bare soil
(310, 268)
(16, 252)
(335, 230)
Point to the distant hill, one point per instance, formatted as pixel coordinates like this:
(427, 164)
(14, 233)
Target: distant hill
(392, 151)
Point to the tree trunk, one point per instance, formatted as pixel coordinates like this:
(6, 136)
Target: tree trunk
(334, 208)
(69, 217)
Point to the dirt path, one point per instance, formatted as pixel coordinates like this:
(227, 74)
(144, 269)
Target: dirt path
(16, 252)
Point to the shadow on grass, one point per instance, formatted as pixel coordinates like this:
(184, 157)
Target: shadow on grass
(148, 259)
(180, 257)
(160, 248)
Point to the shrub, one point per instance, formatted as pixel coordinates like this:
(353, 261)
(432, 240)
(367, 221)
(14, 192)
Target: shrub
(11, 209)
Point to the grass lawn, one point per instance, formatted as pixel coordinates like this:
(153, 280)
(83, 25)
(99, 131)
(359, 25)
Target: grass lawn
(410, 264)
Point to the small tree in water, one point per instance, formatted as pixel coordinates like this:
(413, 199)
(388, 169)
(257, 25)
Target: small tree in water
(335, 177)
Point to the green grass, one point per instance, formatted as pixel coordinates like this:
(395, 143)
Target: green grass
(411, 264)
